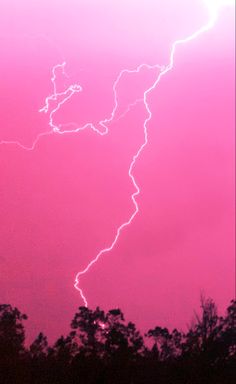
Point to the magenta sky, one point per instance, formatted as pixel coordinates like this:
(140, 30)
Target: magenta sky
(62, 202)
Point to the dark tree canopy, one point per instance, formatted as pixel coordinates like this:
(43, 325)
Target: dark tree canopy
(102, 348)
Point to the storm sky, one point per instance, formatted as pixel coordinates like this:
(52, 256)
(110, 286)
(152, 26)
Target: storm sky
(62, 201)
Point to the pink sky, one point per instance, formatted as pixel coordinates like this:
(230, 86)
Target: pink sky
(62, 202)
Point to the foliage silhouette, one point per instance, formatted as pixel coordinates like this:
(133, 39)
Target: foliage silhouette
(102, 348)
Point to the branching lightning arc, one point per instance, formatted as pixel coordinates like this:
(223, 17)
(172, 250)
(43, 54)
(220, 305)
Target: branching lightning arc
(213, 8)
(60, 98)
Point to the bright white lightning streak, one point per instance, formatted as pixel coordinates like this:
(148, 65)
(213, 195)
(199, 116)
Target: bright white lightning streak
(214, 6)
(70, 91)
(65, 96)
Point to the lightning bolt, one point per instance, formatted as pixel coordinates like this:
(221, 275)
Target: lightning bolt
(213, 10)
(60, 98)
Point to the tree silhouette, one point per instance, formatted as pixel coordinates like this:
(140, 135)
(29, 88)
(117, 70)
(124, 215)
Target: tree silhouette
(12, 337)
(89, 331)
(166, 345)
(39, 348)
(205, 331)
(102, 348)
(229, 331)
(120, 338)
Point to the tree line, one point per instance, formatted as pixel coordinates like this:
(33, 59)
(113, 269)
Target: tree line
(103, 348)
